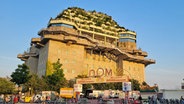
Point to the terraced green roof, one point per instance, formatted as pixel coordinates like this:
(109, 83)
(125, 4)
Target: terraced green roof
(90, 18)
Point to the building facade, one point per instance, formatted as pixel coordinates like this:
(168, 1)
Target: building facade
(86, 43)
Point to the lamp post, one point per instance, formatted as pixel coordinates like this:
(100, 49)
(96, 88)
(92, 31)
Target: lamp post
(19, 89)
(29, 91)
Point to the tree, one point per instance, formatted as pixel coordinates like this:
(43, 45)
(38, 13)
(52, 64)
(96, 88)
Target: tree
(135, 84)
(104, 86)
(71, 83)
(107, 86)
(56, 80)
(35, 83)
(86, 87)
(118, 86)
(6, 86)
(144, 83)
(21, 75)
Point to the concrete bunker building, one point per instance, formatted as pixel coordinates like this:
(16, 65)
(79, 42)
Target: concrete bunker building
(89, 43)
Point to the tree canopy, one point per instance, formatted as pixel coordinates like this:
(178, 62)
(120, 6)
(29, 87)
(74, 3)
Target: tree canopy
(56, 80)
(21, 75)
(35, 83)
(6, 86)
(135, 84)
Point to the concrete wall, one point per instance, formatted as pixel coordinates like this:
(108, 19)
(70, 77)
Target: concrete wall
(134, 70)
(42, 62)
(172, 94)
(76, 60)
(32, 63)
(95, 61)
(71, 57)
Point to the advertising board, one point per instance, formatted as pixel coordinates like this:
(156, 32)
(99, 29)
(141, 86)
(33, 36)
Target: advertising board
(126, 86)
(77, 87)
(66, 92)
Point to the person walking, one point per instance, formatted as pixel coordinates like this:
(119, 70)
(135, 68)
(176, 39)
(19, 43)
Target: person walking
(15, 99)
(181, 100)
(140, 99)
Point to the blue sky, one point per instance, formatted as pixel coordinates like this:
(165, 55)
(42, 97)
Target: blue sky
(159, 25)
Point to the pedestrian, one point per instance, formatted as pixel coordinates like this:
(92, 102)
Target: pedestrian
(73, 100)
(15, 99)
(154, 99)
(48, 98)
(7, 99)
(140, 99)
(149, 100)
(181, 100)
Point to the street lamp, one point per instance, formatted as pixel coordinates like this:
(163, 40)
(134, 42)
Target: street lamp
(30, 91)
(19, 89)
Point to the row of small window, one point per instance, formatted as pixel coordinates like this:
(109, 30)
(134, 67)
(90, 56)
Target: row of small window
(60, 24)
(127, 40)
(128, 35)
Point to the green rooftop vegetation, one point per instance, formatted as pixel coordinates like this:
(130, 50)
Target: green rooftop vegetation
(91, 21)
(97, 17)
(90, 18)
